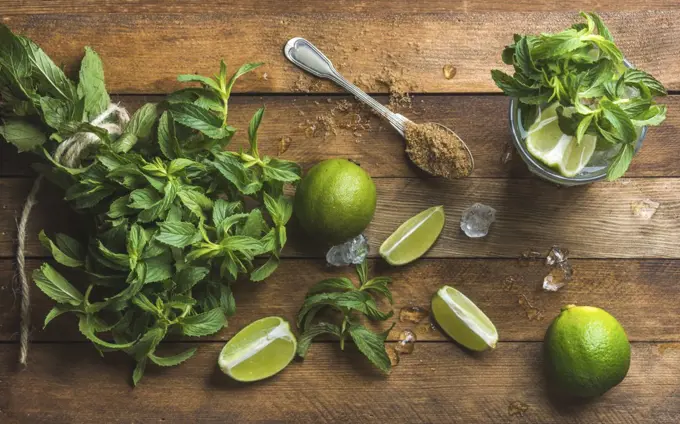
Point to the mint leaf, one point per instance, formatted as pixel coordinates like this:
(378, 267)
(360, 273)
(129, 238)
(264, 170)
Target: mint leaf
(53, 77)
(189, 276)
(620, 163)
(264, 271)
(282, 170)
(199, 78)
(200, 119)
(244, 69)
(55, 286)
(57, 310)
(91, 84)
(60, 256)
(24, 136)
(178, 234)
(655, 115)
(167, 140)
(332, 284)
(170, 361)
(87, 326)
(203, 324)
(138, 373)
(147, 343)
(372, 346)
(379, 286)
(305, 339)
(234, 171)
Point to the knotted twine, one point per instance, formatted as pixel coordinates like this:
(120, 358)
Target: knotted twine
(67, 154)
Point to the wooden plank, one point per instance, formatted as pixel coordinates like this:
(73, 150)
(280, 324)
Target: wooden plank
(645, 301)
(596, 221)
(480, 120)
(438, 383)
(23, 7)
(144, 53)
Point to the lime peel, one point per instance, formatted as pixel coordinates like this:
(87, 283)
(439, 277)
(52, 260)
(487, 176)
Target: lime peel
(414, 237)
(490, 338)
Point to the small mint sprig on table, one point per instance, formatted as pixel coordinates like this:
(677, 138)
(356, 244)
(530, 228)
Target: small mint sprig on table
(173, 219)
(349, 303)
(583, 69)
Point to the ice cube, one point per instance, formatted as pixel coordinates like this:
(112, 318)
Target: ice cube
(561, 271)
(645, 209)
(556, 256)
(413, 314)
(406, 343)
(552, 284)
(352, 251)
(477, 219)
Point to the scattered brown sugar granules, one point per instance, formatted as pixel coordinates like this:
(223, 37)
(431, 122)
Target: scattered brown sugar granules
(437, 151)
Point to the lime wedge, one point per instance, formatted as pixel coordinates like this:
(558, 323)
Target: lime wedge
(414, 237)
(260, 350)
(547, 143)
(462, 320)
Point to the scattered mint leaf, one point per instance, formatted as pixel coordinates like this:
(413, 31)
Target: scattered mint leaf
(350, 301)
(55, 286)
(91, 85)
(170, 361)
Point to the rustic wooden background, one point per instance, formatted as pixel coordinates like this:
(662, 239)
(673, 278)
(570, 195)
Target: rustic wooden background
(623, 262)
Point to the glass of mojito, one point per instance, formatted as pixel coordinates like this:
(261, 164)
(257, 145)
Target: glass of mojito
(579, 111)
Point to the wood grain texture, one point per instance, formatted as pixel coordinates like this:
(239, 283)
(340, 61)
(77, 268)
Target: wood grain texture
(480, 120)
(438, 383)
(595, 221)
(144, 53)
(641, 294)
(374, 7)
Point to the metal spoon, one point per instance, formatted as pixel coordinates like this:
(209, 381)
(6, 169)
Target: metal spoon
(306, 56)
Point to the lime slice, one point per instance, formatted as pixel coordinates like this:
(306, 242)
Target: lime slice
(260, 350)
(462, 320)
(547, 143)
(414, 237)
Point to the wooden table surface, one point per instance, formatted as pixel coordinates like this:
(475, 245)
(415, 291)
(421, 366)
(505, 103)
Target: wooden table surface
(623, 262)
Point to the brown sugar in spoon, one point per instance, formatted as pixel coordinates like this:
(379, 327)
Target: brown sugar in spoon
(433, 147)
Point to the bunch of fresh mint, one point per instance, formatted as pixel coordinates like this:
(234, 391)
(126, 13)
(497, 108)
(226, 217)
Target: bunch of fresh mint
(172, 217)
(345, 303)
(583, 70)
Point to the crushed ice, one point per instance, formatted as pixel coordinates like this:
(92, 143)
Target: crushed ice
(645, 209)
(561, 271)
(352, 251)
(477, 219)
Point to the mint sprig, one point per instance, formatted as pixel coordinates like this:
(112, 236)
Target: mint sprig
(349, 303)
(174, 217)
(583, 69)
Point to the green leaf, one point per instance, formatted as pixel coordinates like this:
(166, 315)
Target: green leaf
(264, 271)
(204, 324)
(189, 276)
(199, 78)
(252, 131)
(55, 81)
(621, 162)
(372, 346)
(332, 284)
(601, 27)
(170, 361)
(55, 112)
(121, 260)
(280, 209)
(138, 129)
(200, 119)
(177, 165)
(227, 301)
(315, 300)
(655, 115)
(178, 234)
(522, 58)
(234, 171)
(159, 268)
(642, 78)
(511, 86)
(23, 135)
(87, 325)
(55, 286)
(143, 198)
(138, 373)
(305, 339)
(379, 285)
(147, 343)
(57, 310)
(244, 69)
(223, 209)
(282, 170)
(13, 55)
(362, 272)
(167, 140)
(195, 201)
(119, 207)
(60, 256)
(583, 127)
(620, 122)
(136, 241)
(91, 84)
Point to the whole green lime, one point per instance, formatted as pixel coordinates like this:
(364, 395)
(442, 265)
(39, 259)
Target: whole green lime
(335, 201)
(587, 351)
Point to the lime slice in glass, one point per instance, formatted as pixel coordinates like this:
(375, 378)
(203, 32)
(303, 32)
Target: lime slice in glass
(260, 350)
(547, 143)
(414, 237)
(462, 320)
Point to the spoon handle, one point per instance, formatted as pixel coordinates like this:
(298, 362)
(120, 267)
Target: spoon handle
(306, 56)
